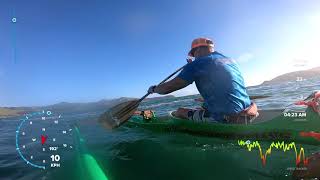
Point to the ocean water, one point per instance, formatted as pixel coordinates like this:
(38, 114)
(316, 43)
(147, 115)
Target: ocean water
(136, 153)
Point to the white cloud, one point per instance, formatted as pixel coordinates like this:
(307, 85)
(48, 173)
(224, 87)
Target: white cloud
(245, 57)
(300, 62)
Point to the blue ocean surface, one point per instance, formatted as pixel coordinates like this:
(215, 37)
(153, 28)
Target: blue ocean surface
(138, 153)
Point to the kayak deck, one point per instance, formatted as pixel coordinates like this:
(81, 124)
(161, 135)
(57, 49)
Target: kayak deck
(270, 125)
(88, 166)
(266, 115)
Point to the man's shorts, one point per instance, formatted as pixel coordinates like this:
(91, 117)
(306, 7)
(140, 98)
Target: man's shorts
(200, 116)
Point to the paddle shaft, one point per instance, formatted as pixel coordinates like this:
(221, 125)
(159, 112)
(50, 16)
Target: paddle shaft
(134, 105)
(146, 95)
(259, 97)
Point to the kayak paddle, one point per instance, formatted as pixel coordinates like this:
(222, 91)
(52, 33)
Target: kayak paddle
(259, 97)
(122, 112)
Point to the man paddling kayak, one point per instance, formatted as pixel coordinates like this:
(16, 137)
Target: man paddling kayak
(220, 83)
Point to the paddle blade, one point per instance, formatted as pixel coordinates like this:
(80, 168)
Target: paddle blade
(118, 114)
(259, 97)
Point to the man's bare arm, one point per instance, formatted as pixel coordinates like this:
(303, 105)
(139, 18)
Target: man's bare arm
(171, 86)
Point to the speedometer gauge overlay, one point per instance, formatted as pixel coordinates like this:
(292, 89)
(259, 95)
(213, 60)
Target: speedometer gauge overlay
(42, 139)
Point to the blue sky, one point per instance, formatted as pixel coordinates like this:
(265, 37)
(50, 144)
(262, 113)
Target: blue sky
(80, 51)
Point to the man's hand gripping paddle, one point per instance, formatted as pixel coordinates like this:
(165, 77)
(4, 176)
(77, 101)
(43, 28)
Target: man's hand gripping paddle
(122, 112)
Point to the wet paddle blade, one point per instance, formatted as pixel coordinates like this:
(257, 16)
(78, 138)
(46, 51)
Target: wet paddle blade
(118, 114)
(259, 97)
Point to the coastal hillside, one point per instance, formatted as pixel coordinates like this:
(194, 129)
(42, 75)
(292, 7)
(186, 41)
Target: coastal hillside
(67, 107)
(6, 112)
(294, 76)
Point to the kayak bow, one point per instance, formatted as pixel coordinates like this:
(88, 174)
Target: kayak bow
(88, 166)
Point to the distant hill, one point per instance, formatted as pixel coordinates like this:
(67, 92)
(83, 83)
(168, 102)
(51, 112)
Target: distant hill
(292, 76)
(66, 107)
(6, 112)
(159, 97)
(63, 107)
(85, 107)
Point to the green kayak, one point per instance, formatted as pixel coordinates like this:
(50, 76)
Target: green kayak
(89, 168)
(303, 127)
